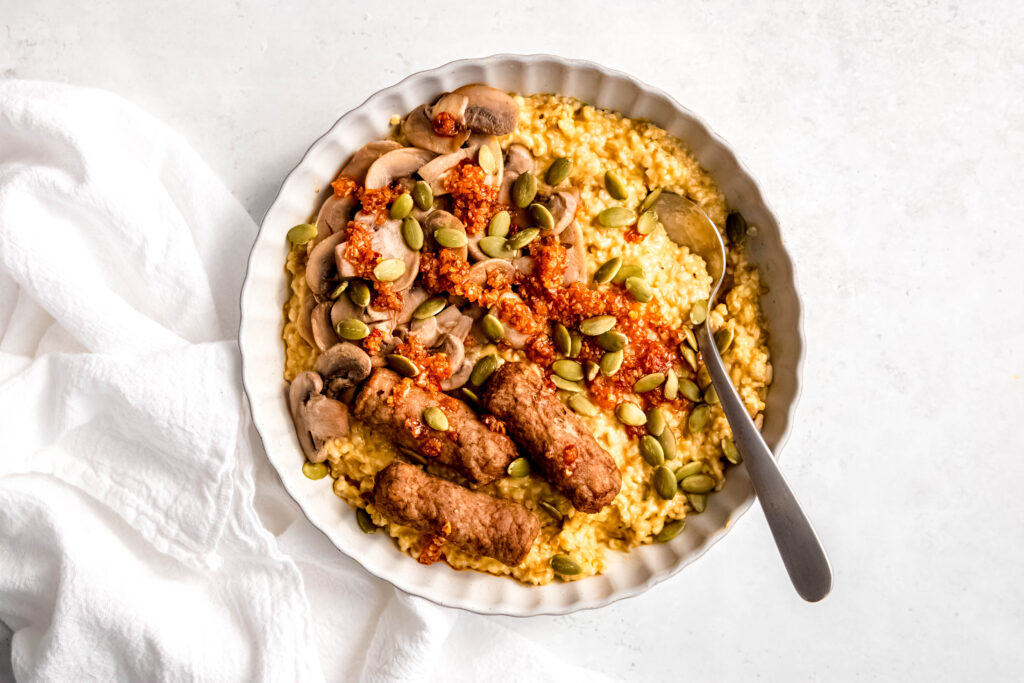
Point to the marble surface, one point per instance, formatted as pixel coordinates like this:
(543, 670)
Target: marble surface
(887, 136)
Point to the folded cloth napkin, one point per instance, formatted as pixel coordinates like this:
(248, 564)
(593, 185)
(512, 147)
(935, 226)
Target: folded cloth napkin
(130, 548)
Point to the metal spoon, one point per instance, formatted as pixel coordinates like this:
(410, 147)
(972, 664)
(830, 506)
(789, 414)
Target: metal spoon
(686, 224)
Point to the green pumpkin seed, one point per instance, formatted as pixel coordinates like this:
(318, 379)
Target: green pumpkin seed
(607, 270)
(568, 369)
(698, 418)
(671, 388)
(576, 344)
(591, 370)
(314, 470)
(566, 385)
(339, 290)
(541, 216)
(699, 312)
(703, 377)
(365, 522)
(723, 339)
(496, 247)
(302, 233)
(689, 389)
(561, 339)
(499, 224)
(698, 501)
(518, 468)
(610, 363)
(630, 414)
(483, 369)
(616, 217)
(450, 238)
(665, 483)
(492, 328)
(612, 340)
(613, 183)
(389, 270)
(550, 508)
(650, 199)
(736, 228)
(627, 271)
(697, 483)
(436, 419)
(486, 159)
(651, 451)
(691, 338)
(649, 382)
(401, 207)
(522, 238)
(670, 531)
(359, 293)
(423, 195)
(647, 222)
(565, 565)
(599, 324)
(470, 395)
(639, 289)
(655, 421)
(352, 329)
(689, 356)
(689, 469)
(429, 308)
(730, 451)
(412, 455)
(581, 404)
(524, 189)
(558, 171)
(711, 396)
(412, 233)
(402, 365)
(668, 444)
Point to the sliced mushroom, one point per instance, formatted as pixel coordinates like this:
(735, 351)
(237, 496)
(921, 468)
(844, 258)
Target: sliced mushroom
(478, 141)
(362, 160)
(563, 206)
(576, 264)
(413, 298)
(450, 103)
(489, 110)
(333, 217)
(442, 219)
(321, 266)
(419, 131)
(303, 322)
(388, 242)
(342, 366)
(396, 164)
(425, 331)
(518, 158)
(316, 417)
(513, 337)
(344, 309)
(480, 271)
(324, 335)
(453, 348)
(437, 169)
(453, 322)
(523, 264)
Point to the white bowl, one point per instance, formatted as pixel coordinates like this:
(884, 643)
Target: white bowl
(265, 290)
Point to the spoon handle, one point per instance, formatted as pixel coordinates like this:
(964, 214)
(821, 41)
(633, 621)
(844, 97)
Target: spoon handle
(799, 546)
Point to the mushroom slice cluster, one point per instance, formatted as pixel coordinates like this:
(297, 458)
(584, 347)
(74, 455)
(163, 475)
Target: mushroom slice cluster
(342, 367)
(445, 126)
(317, 418)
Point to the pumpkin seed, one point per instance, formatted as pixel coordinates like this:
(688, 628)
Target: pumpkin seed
(492, 328)
(627, 271)
(302, 233)
(650, 199)
(365, 522)
(671, 388)
(423, 195)
(524, 189)
(698, 418)
(401, 207)
(688, 355)
(730, 451)
(541, 216)
(697, 483)
(412, 233)
(402, 365)
(607, 270)
(561, 339)
(565, 565)
(568, 369)
(670, 531)
(599, 324)
(522, 238)
(647, 222)
(314, 470)
(655, 421)
(665, 483)
(639, 289)
(630, 414)
(339, 290)
(470, 395)
(651, 451)
(591, 370)
(450, 238)
(649, 382)
(550, 508)
(576, 346)
(499, 224)
(612, 340)
(711, 396)
(389, 270)
(496, 246)
(689, 469)
(699, 312)
(518, 468)
(429, 308)
(703, 377)
(610, 363)
(723, 339)
(582, 405)
(616, 217)
(436, 419)
(359, 293)
(485, 158)
(613, 183)
(566, 385)
(736, 228)
(352, 329)
(691, 338)
(483, 369)
(698, 501)
(412, 455)
(668, 444)
(558, 171)
(689, 389)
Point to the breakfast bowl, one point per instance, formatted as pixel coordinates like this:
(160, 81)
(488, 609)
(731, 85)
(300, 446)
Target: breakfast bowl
(265, 294)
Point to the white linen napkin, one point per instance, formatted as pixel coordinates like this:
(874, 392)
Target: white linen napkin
(129, 545)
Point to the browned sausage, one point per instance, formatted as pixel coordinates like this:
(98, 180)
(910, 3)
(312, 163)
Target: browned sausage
(557, 440)
(487, 526)
(469, 447)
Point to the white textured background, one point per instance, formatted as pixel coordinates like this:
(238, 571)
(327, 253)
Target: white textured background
(890, 139)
